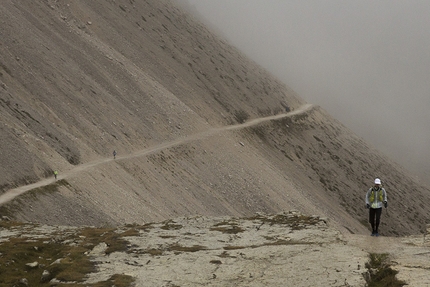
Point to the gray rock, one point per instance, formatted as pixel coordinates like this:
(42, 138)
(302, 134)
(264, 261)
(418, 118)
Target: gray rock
(46, 276)
(23, 281)
(33, 264)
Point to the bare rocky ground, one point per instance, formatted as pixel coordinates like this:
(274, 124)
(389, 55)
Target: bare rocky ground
(286, 249)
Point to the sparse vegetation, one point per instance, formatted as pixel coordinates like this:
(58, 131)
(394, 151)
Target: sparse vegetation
(170, 225)
(9, 224)
(227, 227)
(179, 248)
(233, 247)
(65, 256)
(113, 239)
(145, 227)
(175, 248)
(62, 257)
(216, 262)
(277, 242)
(295, 221)
(380, 273)
(225, 254)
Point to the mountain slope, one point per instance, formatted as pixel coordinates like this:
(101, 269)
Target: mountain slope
(81, 79)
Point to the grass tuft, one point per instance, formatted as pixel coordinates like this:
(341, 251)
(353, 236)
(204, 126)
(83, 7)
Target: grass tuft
(227, 227)
(218, 262)
(180, 248)
(380, 273)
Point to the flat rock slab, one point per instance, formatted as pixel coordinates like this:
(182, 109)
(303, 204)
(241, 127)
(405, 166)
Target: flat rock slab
(285, 249)
(261, 251)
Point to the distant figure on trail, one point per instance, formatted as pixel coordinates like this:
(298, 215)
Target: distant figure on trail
(114, 154)
(375, 198)
(55, 174)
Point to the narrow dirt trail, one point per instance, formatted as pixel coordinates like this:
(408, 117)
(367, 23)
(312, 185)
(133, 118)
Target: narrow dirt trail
(12, 193)
(409, 256)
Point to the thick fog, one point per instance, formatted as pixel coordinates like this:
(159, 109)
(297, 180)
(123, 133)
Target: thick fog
(366, 62)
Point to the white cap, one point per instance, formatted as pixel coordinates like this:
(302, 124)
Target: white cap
(377, 181)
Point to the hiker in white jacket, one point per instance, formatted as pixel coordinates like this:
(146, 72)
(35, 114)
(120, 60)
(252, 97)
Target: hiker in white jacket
(375, 198)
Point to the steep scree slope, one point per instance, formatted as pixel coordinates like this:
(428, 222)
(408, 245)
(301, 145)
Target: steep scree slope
(79, 79)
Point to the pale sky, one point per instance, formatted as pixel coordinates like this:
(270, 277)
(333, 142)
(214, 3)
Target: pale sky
(366, 62)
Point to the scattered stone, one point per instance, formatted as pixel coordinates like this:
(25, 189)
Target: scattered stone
(33, 264)
(23, 281)
(46, 276)
(99, 250)
(58, 261)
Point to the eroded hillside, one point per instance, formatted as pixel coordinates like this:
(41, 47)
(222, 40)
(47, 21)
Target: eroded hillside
(80, 79)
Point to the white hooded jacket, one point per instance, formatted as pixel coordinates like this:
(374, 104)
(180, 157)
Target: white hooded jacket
(376, 197)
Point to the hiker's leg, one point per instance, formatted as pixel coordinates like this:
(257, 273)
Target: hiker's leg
(372, 218)
(378, 217)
